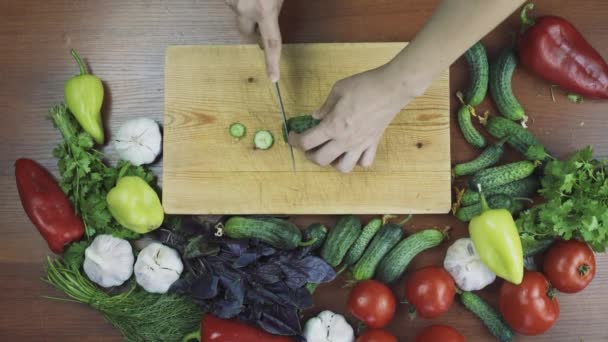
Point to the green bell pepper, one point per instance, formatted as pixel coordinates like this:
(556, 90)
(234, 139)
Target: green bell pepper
(84, 97)
(497, 241)
(135, 205)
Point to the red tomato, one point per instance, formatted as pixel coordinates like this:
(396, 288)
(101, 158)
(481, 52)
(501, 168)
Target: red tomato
(431, 291)
(439, 333)
(529, 308)
(373, 303)
(376, 335)
(569, 265)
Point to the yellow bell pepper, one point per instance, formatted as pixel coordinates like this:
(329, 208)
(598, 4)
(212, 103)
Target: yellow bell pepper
(135, 205)
(497, 241)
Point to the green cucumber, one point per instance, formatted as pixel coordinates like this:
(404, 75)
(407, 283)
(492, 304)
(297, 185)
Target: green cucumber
(532, 246)
(395, 262)
(316, 232)
(501, 73)
(356, 250)
(517, 136)
(237, 130)
(477, 59)
(501, 175)
(523, 188)
(490, 317)
(470, 133)
(500, 201)
(387, 237)
(263, 140)
(340, 239)
(275, 232)
(489, 157)
(299, 124)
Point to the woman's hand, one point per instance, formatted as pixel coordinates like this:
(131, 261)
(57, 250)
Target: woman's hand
(354, 117)
(263, 14)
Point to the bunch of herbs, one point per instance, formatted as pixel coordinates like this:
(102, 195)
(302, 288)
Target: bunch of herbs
(576, 202)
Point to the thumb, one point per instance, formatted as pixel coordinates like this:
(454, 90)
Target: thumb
(271, 40)
(327, 106)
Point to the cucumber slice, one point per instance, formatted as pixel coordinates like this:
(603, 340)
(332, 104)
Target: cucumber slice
(237, 130)
(263, 140)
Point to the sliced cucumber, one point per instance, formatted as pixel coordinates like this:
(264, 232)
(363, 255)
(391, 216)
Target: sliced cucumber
(263, 140)
(237, 130)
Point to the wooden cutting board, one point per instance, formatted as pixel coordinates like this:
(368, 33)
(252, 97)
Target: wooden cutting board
(205, 171)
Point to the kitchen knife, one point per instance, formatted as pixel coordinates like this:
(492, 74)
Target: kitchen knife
(282, 110)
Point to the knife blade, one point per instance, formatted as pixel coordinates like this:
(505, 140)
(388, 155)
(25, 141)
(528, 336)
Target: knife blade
(282, 110)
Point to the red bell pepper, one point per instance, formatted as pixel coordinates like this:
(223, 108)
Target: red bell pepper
(554, 49)
(47, 206)
(215, 329)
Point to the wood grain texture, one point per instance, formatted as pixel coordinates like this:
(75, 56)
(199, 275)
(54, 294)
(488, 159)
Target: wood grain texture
(207, 88)
(125, 42)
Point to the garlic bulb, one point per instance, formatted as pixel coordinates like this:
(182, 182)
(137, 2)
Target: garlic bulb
(465, 266)
(108, 261)
(157, 267)
(138, 141)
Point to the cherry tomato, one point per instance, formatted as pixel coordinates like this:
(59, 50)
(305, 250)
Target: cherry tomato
(376, 335)
(569, 265)
(373, 303)
(529, 308)
(431, 291)
(439, 333)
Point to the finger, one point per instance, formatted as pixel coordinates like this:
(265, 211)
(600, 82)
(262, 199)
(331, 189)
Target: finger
(310, 138)
(348, 161)
(368, 156)
(245, 25)
(271, 39)
(327, 106)
(326, 154)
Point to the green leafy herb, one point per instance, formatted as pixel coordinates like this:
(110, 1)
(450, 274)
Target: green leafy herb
(73, 257)
(576, 194)
(86, 179)
(139, 315)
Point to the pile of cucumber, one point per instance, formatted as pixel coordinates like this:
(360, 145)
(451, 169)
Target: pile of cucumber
(505, 185)
(376, 250)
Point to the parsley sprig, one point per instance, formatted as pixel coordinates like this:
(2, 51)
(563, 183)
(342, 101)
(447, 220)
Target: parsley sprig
(576, 206)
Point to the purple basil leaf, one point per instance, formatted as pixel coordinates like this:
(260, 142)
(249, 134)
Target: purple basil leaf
(279, 320)
(205, 287)
(301, 298)
(294, 277)
(267, 273)
(245, 260)
(237, 247)
(316, 269)
(234, 288)
(224, 308)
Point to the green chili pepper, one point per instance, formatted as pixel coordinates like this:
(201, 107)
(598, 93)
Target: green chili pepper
(135, 205)
(497, 241)
(84, 97)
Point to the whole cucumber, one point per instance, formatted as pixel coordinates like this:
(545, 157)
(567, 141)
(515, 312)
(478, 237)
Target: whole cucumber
(340, 239)
(490, 317)
(500, 201)
(489, 157)
(501, 74)
(501, 175)
(477, 60)
(470, 133)
(393, 264)
(388, 236)
(358, 248)
(523, 188)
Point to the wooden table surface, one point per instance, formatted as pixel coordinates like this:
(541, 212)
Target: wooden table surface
(125, 41)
